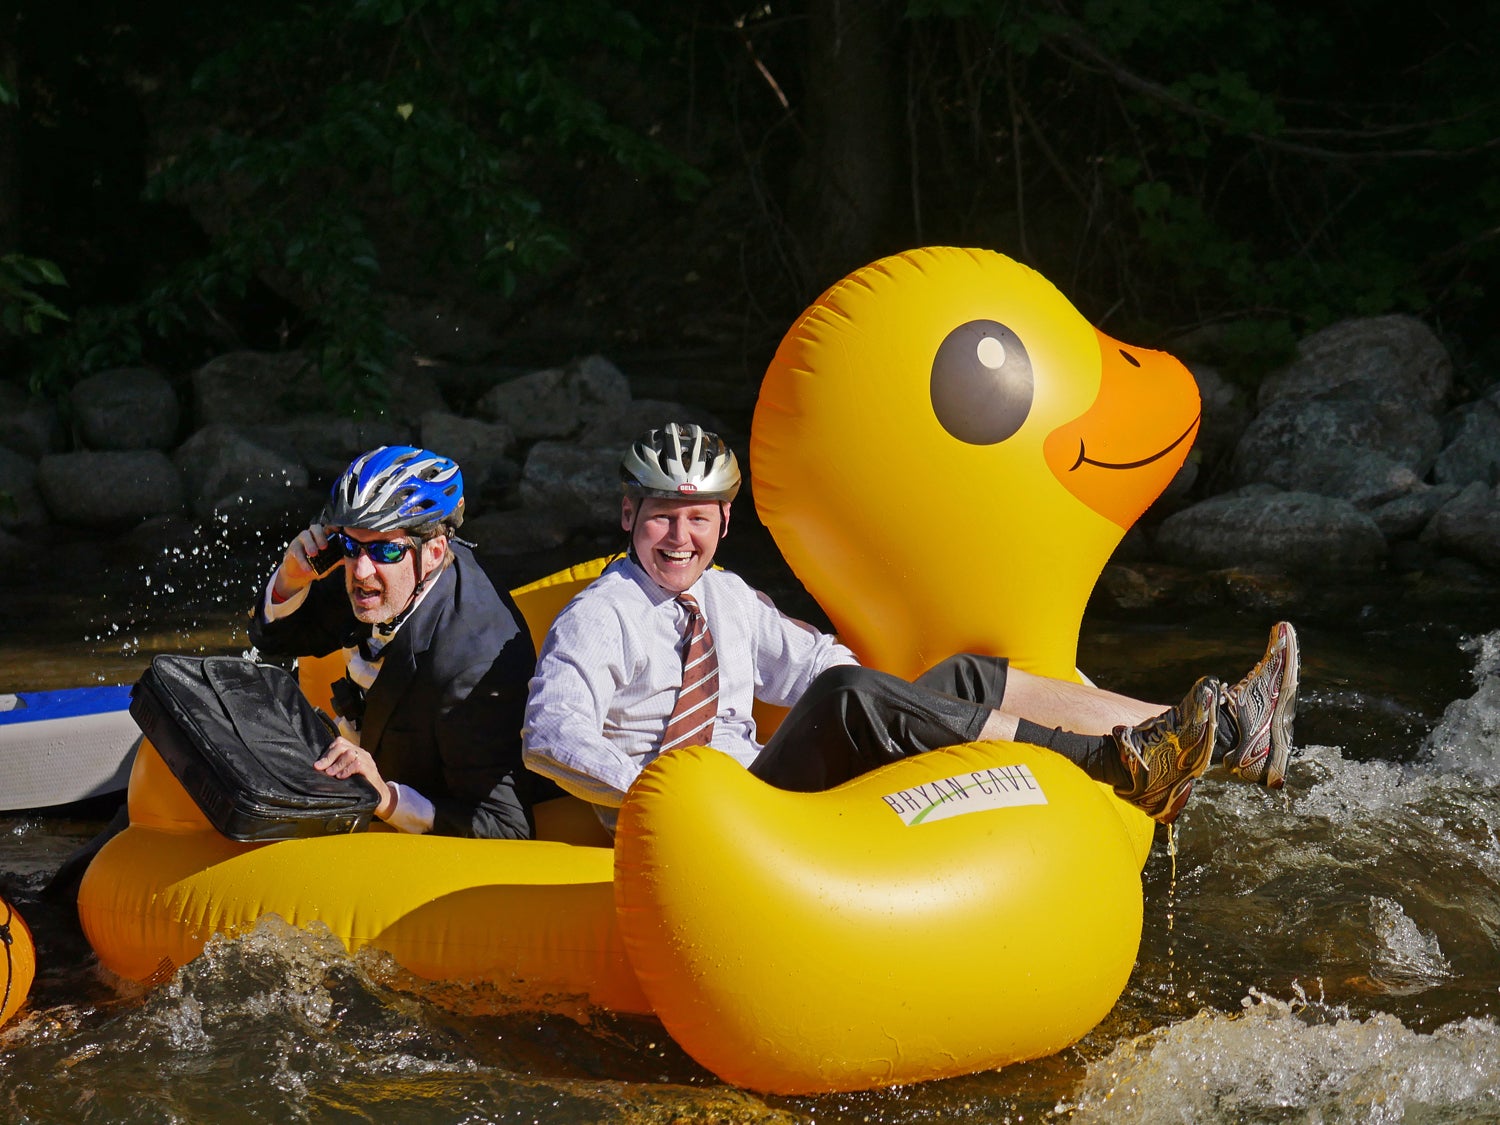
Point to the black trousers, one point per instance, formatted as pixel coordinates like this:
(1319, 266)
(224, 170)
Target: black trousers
(853, 719)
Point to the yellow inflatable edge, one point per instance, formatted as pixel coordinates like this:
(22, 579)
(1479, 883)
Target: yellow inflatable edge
(952, 912)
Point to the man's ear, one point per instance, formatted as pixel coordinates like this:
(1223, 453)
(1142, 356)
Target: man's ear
(724, 518)
(434, 549)
(627, 513)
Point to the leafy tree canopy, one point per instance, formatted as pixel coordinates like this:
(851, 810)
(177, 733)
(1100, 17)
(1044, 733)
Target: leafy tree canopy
(1251, 168)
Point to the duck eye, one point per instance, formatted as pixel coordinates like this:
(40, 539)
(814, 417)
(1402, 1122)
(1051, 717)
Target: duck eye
(981, 382)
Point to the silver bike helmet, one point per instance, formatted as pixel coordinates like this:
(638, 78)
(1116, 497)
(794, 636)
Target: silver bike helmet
(680, 461)
(397, 487)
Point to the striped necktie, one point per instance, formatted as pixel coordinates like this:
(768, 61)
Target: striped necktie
(692, 720)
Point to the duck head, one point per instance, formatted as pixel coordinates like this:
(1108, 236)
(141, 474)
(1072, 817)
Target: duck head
(947, 453)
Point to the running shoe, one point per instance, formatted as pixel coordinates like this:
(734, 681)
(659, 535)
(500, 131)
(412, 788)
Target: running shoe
(1165, 755)
(1261, 708)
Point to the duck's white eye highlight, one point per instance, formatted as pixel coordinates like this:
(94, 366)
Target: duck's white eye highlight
(991, 352)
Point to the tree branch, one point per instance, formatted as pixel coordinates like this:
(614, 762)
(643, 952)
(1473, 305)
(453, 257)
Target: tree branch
(1085, 54)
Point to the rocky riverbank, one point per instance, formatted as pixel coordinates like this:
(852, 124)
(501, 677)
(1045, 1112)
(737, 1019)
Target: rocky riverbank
(1353, 459)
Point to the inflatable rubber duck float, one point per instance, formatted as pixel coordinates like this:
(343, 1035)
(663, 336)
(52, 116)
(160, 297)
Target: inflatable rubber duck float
(946, 453)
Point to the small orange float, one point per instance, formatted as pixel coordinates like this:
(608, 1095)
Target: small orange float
(17, 961)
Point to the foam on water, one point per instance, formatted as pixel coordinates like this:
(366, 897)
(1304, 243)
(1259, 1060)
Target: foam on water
(280, 1024)
(1281, 1061)
(1467, 738)
(1374, 886)
(1410, 959)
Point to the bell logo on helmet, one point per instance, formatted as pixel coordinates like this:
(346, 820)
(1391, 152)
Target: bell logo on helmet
(687, 486)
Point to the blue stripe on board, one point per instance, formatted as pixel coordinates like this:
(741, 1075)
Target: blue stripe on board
(69, 703)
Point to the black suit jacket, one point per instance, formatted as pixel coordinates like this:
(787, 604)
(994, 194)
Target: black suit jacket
(444, 714)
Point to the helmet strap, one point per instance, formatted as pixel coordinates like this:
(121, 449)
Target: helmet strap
(419, 584)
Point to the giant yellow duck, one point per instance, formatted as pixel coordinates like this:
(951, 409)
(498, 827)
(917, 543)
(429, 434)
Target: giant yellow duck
(946, 453)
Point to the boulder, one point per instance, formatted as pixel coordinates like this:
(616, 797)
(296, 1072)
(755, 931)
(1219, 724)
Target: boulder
(1363, 444)
(616, 430)
(1406, 516)
(327, 443)
(125, 408)
(1260, 526)
(1399, 355)
(1226, 412)
(520, 531)
(1469, 526)
(224, 470)
(109, 489)
(29, 426)
(1178, 489)
(21, 504)
(1472, 452)
(581, 484)
(464, 384)
(1128, 587)
(558, 402)
(482, 449)
(245, 388)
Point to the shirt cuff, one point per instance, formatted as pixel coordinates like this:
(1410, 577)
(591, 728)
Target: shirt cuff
(413, 813)
(276, 610)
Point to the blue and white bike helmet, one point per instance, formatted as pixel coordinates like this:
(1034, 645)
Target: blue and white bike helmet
(397, 487)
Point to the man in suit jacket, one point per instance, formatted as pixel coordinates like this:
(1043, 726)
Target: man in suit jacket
(430, 708)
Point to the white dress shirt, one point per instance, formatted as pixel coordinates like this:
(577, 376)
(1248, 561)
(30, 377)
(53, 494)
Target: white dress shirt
(611, 667)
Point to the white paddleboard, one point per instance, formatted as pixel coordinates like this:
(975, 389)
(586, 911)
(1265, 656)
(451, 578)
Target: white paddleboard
(57, 747)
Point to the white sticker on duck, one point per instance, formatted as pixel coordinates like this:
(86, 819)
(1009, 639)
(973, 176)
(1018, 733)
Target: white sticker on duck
(1001, 787)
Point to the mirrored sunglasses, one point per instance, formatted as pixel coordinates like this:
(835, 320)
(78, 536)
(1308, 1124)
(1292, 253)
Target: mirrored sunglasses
(380, 550)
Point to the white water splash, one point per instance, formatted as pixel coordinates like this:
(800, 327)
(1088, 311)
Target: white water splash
(1467, 738)
(1408, 959)
(1283, 1062)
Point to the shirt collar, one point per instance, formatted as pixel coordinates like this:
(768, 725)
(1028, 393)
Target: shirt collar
(648, 585)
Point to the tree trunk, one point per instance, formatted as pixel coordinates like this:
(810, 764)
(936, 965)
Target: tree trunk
(846, 193)
(10, 140)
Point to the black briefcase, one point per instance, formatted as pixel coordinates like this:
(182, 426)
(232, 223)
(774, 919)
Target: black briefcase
(242, 738)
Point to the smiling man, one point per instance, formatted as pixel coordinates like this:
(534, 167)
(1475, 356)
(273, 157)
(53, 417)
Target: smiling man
(438, 657)
(663, 651)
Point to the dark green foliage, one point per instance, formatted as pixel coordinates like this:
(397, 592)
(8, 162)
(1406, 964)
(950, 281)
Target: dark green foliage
(1172, 163)
(1249, 168)
(321, 123)
(22, 309)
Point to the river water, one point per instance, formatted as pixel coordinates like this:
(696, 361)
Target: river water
(1329, 953)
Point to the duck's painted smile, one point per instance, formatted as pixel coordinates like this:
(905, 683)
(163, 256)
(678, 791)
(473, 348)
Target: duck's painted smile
(1143, 399)
(1084, 459)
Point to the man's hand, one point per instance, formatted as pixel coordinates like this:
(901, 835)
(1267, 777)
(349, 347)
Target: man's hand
(296, 571)
(344, 759)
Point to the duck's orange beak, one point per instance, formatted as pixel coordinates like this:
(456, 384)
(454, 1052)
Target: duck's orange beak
(1119, 454)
